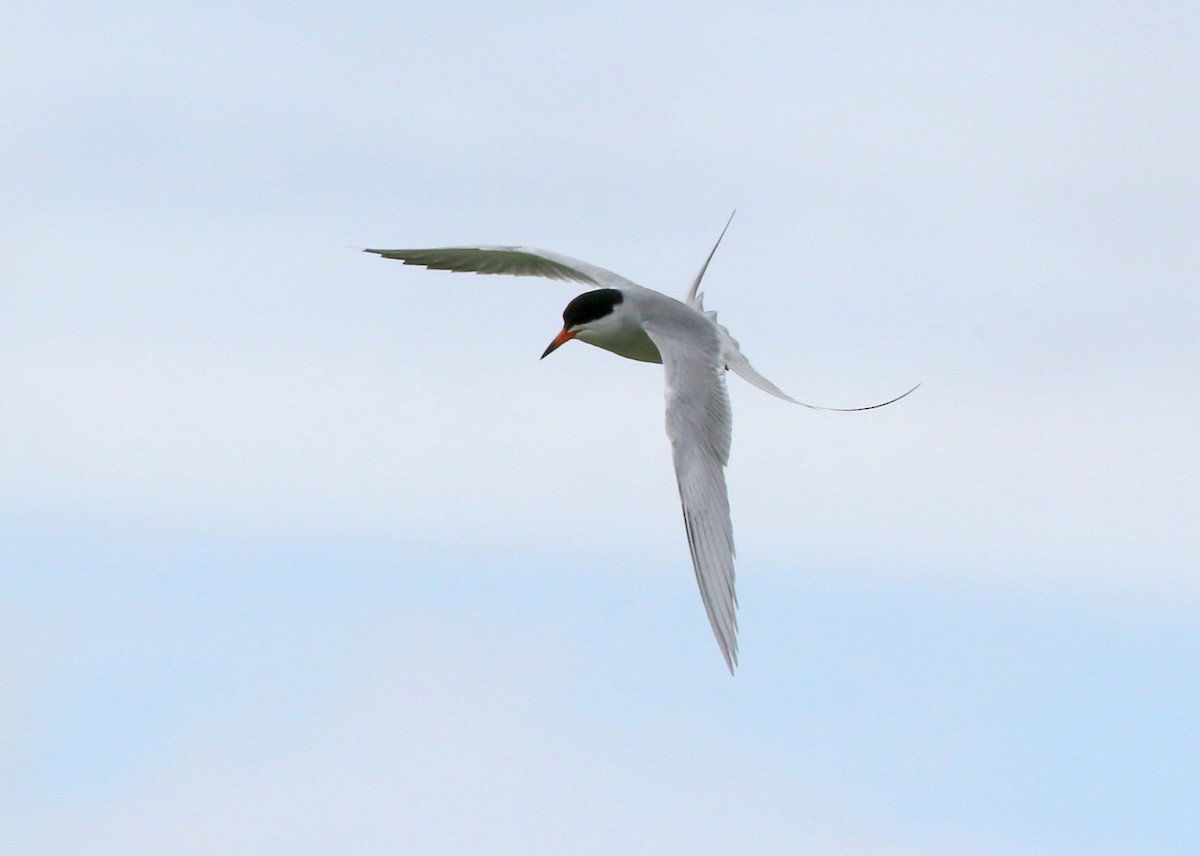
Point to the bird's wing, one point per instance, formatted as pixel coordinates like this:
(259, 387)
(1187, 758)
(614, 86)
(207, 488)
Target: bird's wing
(515, 261)
(699, 425)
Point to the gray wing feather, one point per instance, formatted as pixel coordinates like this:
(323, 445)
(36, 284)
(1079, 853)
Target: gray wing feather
(513, 261)
(700, 425)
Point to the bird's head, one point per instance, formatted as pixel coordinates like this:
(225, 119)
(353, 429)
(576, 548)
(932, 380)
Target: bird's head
(588, 316)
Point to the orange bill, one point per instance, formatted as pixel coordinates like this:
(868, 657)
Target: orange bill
(564, 336)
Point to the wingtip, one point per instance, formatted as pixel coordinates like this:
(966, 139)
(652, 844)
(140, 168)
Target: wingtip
(731, 658)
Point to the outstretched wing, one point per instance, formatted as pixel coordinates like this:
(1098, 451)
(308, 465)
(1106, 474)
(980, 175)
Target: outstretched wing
(514, 261)
(699, 425)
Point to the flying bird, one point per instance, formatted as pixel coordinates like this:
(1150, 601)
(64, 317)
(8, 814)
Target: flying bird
(695, 351)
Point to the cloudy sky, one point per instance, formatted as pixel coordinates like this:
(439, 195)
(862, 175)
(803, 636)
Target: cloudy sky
(304, 552)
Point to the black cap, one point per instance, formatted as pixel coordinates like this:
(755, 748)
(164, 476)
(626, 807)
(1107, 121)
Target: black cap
(591, 306)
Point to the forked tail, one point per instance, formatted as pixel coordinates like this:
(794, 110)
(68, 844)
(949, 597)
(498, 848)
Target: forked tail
(732, 355)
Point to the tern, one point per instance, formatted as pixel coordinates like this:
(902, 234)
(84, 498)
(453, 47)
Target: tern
(695, 351)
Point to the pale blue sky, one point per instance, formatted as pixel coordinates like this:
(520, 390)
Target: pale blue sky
(304, 552)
